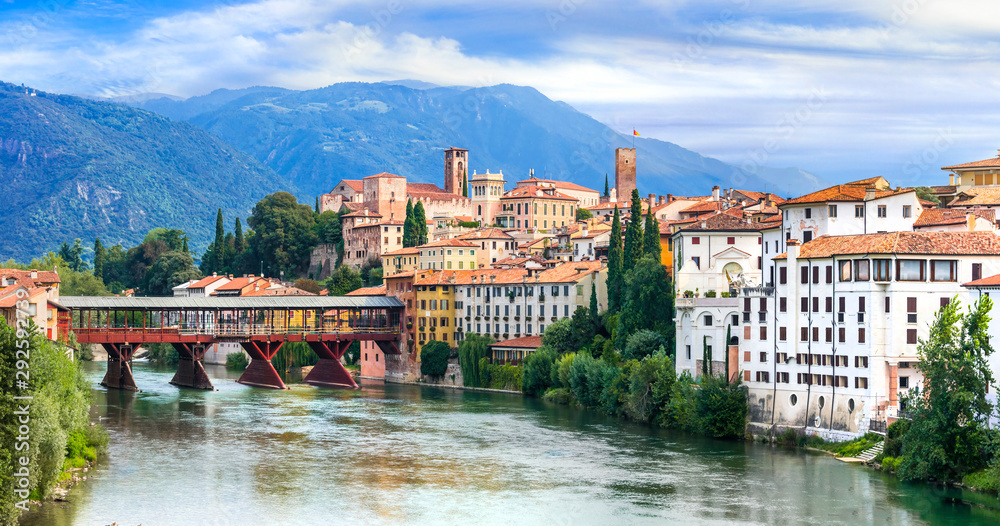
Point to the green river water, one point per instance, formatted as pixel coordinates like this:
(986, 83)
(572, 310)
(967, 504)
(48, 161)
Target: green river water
(401, 454)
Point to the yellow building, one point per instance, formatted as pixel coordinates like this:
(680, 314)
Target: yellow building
(447, 254)
(402, 260)
(434, 309)
(536, 208)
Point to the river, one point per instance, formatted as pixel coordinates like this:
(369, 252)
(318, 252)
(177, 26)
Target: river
(401, 454)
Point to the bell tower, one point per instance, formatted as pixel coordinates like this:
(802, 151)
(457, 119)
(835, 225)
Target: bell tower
(456, 165)
(625, 173)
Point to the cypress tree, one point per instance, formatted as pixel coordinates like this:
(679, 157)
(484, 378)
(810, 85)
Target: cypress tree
(651, 236)
(408, 225)
(595, 317)
(420, 222)
(100, 256)
(185, 247)
(317, 204)
(465, 184)
(607, 189)
(615, 264)
(633, 235)
(239, 245)
(729, 336)
(219, 248)
(706, 358)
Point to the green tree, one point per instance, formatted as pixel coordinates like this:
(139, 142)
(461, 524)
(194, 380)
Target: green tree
(643, 343)
(559, 336)
(473, 349)
(420, 221)
(100, 255)
(409, 226)
(651, 236)
(595, 317)
(434, 358)
(342, 280)
(648, 301)
(722, 408)
(537, 371)
(706, 359)
(73, 256)
(171, 237)
(219, 243)
(317, 205)
(168, 271)
(465, 184)
(283, 233)
(328, 228)
(948, 435)
(607, 189)
(615, 255)
(633, 234)
(239, 243)
(582, 214)
(649, 383)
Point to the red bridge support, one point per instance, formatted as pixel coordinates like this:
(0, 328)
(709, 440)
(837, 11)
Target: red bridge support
(119, 375)
(190, 369)
(260, 372)
(329, 372)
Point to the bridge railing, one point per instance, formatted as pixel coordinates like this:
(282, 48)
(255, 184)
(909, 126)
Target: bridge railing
(237, 330)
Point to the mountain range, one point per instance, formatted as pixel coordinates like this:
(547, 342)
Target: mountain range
(78, 167)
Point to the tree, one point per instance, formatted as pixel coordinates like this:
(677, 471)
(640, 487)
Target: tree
(434, 358)
(219, 244)
(100, 255)
(168, 271)
(582, 214)
(633, 234)
(595, 317)
(171, 237)
(559, 336)
(420, 221)
(607, 189)
(342, 280)
(317, 205)
(328, 228)
(706, 359)
(729, 338)
(465, 184)
(409, 226)
(643, 343)
(648, 301)
(73, 255)
(615, 255)
(239, 244)
(283, 233)
(722, 407)
(948, 435)
(537, 371)
(651, 236)
(308, 285)
(470, 352)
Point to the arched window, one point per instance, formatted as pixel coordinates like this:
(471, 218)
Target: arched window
(480, 210)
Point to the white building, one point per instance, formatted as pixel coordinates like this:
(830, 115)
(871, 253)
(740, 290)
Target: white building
(832, 346)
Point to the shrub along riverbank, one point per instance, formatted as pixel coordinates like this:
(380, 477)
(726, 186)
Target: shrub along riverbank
(59, 436)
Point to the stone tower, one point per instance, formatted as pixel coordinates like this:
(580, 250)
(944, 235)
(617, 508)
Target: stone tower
(624, 173)
(456, 164)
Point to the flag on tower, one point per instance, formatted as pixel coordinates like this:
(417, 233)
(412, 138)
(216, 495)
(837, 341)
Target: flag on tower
(635, 133)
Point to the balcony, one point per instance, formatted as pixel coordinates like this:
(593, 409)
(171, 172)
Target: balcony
(690, 303)
(760, 290)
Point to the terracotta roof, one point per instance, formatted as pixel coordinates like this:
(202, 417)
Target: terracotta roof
(352, 206)
(428, 188)
(368, 291)
(378, 223)
(919, 243)
(558, 184)
(448, 243)
(486, 233)
(991, 281)
(526, 192)
(524, 342)
(852, 192)
(385, 175)
(353, 184)
(516, 261)
(982, 196)
(569, 271)
(404, 274)
(704, 206)
(566, 272)
(722, 221)
(204, 282)
(408, 251)
(985, 163)
(238, 283)
(363, 213)
(465, 219)
(951, 216)
(24, 276)
(279, 291)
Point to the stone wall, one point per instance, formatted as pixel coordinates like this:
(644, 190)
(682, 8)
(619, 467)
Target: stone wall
(322, 261)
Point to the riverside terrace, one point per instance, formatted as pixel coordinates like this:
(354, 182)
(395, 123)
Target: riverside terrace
(261, 325)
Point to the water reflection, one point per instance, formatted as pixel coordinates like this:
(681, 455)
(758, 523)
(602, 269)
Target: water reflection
(391, 454)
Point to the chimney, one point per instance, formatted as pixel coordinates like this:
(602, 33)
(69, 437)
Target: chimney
(214, 275)
(652, 199)
(869, 194)
(661, 200)
(715, 193)
(34, 273)
(670, 197)
(493, 278)
(584, 229)
(951, 179)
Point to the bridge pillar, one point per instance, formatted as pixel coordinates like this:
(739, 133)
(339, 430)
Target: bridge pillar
(119, 375)
(260, 372)
(329, 372)
(190, 369)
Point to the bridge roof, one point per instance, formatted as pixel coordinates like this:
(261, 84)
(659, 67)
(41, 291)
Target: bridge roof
(234, 302)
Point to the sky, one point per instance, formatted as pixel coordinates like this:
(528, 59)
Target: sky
(845, 89)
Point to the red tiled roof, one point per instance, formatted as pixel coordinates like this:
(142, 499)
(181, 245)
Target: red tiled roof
(204, 282)
(918, 243)
(852, 192)
(352, 206)
(526, 192)
(43, 276)
(384, 175)
(985, 163)
(429, 188)
(279, 291)
(951, 216)
(353, 184)
(558, 184)
(516, 261)
(486, 233)
(238, 283)
(704, 206)
(368, 291)
(723, 221)
(524, 342)
(408, 251)
(363, 213)
(448, 243)
(982, 196)
(991, 281)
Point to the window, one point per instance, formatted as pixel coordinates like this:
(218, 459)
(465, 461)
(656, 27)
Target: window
(887, 303)
(977, 271)
(697, 261)
(815, 334)
(763, 333)
(803, 304)
(861, 303)
(815, 275)
(687, 349)
(910, 269)
(783, 275)
(904, 382)
(829, 304)
(907, 211)
(804, 334)
(730, 240)
(861, 269)
(782, 333)
(815, 304)
(804, 274)
(762, 376)
(833, 210)
(845, 270)
(944, 270)
(807, 236)
(829, 335)
(696, 240)
(861, 362)
(861, 335)
(735, 319)
(911, 336)
(882, 211)
(882, 272)
(842, 335)
(707, 320)
(829, 274)
(859, 210)
(783, 304)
